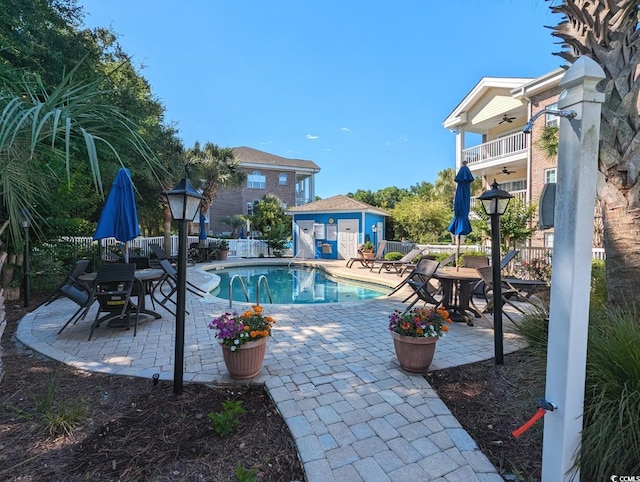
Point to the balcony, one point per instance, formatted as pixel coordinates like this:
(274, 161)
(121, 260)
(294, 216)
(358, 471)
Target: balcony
(501, 148)
(520, 194)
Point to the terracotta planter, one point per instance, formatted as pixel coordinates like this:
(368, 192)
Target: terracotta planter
(223, 253)
(414, 354)
(246, 361)
(368, 255)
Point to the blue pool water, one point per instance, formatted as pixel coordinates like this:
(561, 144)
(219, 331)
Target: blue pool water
(294, 285)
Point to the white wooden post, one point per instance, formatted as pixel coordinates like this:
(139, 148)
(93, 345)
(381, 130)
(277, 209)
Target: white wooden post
(571, 274)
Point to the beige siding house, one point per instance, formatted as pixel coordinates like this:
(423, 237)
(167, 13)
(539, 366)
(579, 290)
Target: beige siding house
(488, 126)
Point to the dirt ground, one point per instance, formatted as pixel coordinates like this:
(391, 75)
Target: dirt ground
(130, 429)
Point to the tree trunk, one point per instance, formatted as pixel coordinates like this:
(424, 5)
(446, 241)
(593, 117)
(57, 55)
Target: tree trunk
(167, 228)
(606, 31)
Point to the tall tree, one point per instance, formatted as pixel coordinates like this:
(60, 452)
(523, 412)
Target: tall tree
(219, 170)
(607, 32)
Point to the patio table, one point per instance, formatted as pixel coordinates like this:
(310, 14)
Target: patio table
(456, 292)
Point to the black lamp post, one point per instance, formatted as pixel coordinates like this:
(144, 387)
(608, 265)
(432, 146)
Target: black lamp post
(184, 202)
(495, 202)
(26, 224)
(374, 229)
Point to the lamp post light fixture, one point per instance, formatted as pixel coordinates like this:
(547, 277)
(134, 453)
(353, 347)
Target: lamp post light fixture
(374, 230)
(495, 202)
(26, 281)
(184, 202)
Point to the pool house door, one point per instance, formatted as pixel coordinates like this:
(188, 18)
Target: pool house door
(347, 238)
(305, 246)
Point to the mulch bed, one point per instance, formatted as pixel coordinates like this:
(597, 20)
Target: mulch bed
(131, 429)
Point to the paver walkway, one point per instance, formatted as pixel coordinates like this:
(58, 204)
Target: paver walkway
(331, 370)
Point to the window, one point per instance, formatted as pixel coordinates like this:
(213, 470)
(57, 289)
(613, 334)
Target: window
(548, 240)
(283, 179)
(250, 209)
(255, 180)
(552, 120)
(549, 175)
(514, 185)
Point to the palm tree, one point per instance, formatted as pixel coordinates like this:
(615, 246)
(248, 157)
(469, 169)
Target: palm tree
(38, 131)
(235, 222)
(219, 170)
(607, 32)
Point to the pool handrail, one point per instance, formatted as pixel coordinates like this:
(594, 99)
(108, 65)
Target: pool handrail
(244, 288)
(262, 278)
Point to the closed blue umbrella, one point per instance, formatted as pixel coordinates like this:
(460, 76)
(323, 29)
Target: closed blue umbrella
(203, 227)
(460, 225)
(119, 218)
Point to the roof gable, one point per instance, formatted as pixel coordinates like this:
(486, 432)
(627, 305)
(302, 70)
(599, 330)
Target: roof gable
(339, 203)
(254, 158)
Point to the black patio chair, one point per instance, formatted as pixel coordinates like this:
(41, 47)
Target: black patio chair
(510, 294)
(74, 289)
(420, 282)
(165, 289)
(112, 290)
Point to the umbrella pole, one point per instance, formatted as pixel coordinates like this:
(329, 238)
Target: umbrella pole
(126, 251)
(458, 254)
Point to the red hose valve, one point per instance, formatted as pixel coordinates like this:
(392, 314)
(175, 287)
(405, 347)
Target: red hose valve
(543, 406)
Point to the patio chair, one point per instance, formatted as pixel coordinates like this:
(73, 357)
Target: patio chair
(509, 293)
(420, 283)
(74, 289)
(171, 280)
(366, 262)
(475, 261)
(112, 290)
(399, 264)
(161, 254)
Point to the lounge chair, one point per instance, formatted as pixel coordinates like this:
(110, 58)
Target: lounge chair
(398, 264)
(367, 262)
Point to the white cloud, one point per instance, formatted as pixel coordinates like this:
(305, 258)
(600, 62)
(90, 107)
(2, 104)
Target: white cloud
(311, 136)
(345, 129)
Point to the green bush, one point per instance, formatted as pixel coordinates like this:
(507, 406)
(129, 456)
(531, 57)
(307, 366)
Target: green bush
(598, 285)
(611, 433)
(393, 256)
(534, 327)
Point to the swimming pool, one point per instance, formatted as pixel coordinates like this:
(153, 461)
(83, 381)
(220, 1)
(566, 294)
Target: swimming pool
(294, 285)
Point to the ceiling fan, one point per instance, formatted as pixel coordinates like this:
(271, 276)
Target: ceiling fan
(507, 171)
(507, 119)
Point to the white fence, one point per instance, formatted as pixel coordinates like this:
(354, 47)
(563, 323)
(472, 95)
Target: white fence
(246, 248)
(526, 253)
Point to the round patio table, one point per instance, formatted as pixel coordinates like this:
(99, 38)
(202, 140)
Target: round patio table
(456, 292)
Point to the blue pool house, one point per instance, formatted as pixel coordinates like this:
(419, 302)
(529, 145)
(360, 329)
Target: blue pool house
(333, 228)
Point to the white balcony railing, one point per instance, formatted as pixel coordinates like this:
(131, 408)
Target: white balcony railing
(521, 195)
(503, 147)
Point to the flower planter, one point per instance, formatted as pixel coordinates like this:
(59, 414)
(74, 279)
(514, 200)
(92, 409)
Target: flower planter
(223, 254)
(414, 353)
(246, 361)
(368, 255)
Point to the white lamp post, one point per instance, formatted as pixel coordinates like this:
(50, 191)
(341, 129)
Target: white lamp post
(495, 202)
(184, 202)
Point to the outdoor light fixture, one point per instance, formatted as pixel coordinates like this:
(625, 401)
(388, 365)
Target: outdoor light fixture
(184, 202)
(26, 224)
(495, 202)
(374, 230)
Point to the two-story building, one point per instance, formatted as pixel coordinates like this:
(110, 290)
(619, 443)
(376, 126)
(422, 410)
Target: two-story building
(291, 180)
(488, 124)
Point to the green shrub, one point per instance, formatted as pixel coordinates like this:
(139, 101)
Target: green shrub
(393, 256)
(598, 285)
(226, 421)
(611, 433)
(534, 327)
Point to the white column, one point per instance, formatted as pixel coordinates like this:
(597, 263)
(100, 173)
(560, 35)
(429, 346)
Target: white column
(571, 274)
(459, 146)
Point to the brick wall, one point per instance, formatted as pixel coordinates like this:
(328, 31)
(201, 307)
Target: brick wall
(234, 201)
(539, 160)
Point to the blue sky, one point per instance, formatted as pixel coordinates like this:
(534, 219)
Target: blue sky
(359, 87)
